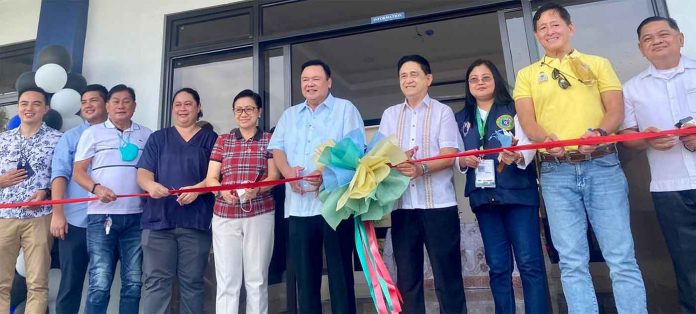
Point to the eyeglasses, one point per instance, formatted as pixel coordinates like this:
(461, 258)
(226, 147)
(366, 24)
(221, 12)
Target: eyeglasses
(476, 80)
(563, 82)
(248, 110)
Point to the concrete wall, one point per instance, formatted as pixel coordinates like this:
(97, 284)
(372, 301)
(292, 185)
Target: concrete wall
(125, 42)
(19, 19)
(683, 11)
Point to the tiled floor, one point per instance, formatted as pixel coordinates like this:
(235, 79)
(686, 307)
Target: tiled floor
(479, 301)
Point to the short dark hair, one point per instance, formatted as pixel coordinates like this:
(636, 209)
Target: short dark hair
(39, 90)
(251, 94)
(194, 95)
(422, 61)
(548, 7)
(120, 88)
(100, 89)
(318, 62)
(670, 21)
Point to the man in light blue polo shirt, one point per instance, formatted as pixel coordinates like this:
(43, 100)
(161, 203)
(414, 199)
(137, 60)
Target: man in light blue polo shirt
(301, 129)
(105, 165)
(69, 221)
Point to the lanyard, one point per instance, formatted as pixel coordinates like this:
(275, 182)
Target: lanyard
(481, 124)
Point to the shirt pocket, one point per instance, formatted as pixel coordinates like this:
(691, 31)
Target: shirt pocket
(691, 97)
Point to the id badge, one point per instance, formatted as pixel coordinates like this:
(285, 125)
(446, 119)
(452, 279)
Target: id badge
(485, 174)
(107, 225)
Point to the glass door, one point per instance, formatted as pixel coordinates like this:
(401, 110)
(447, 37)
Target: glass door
(217, 77)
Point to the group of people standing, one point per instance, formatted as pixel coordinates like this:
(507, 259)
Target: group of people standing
(567, 94)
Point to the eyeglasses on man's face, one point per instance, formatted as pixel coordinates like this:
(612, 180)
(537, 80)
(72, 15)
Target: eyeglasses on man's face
(247, 110)
(562, 80)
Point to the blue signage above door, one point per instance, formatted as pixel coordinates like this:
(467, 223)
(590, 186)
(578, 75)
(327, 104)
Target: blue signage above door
(387, 17)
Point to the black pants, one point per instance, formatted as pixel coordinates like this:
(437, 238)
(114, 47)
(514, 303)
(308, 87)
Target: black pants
(438, 229)
(306, 237)
(676, 212)
(72, 254)
(174, 254)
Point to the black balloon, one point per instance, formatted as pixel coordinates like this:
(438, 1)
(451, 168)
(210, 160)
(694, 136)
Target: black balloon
(53, 119)
(76, 82)
(24, 81)
(55, 54)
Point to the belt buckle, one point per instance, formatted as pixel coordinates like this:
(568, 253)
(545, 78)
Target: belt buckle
(575, 157)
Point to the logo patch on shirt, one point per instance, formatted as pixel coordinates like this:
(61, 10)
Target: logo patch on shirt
(505, 122)
(543, 77)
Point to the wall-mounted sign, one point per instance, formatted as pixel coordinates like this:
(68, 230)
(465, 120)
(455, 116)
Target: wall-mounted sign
(387, 17)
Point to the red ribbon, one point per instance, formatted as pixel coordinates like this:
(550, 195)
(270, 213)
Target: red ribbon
(175, 191)
(572, 142)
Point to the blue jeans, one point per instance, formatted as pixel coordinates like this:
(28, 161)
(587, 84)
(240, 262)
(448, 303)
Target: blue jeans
(122, 242)
(514, 228)
(594, 189)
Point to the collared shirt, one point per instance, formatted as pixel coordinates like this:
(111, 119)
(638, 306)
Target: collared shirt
(243, 160)
(101, 143)
(655, 99)
(431, 126)
(62, 166)
(36, 152)
(177, 163)
(567, 113)
(300, 131)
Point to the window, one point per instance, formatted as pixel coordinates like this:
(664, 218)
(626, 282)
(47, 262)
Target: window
(14, 60)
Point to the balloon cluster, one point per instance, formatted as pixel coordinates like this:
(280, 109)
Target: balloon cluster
(53, 77)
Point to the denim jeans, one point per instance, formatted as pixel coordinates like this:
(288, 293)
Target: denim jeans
(508, 230)
(596, 189)
(122, 242)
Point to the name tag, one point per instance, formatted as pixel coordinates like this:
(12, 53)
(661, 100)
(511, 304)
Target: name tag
(485, 174)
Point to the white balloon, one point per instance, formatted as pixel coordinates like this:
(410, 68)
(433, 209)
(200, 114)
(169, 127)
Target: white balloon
(51, 77)
(66, 101)
(70, 122)
(20, 264)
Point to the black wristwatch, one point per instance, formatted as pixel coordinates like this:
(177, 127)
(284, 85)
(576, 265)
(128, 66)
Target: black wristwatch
(601, 131)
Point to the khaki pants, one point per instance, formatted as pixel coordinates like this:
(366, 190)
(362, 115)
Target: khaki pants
(33, 235)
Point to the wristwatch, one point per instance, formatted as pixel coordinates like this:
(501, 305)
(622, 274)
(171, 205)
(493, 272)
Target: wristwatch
(601, 131)
(424, 167)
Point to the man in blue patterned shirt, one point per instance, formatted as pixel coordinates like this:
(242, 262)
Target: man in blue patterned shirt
(25, 175)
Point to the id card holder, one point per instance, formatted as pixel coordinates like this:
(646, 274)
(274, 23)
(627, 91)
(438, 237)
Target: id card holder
(485, 174)
(107, 225)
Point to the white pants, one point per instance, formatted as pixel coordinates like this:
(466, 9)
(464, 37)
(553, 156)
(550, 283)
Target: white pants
(242, 246)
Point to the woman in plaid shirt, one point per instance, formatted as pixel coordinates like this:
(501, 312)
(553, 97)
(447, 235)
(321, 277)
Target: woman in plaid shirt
(243, 220)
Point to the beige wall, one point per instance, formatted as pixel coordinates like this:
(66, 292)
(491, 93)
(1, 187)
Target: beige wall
(124, 44)
(684, 12)
(19, 20)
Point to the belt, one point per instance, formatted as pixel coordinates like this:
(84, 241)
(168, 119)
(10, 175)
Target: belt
(575, 156)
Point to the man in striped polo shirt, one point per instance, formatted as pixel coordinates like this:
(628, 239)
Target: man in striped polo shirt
(105, 165)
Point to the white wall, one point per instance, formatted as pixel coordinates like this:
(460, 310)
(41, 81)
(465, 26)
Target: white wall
(124, 44)
(19, 20)
(684, 12)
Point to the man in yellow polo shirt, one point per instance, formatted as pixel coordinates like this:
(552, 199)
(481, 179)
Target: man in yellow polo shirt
(565, 95)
